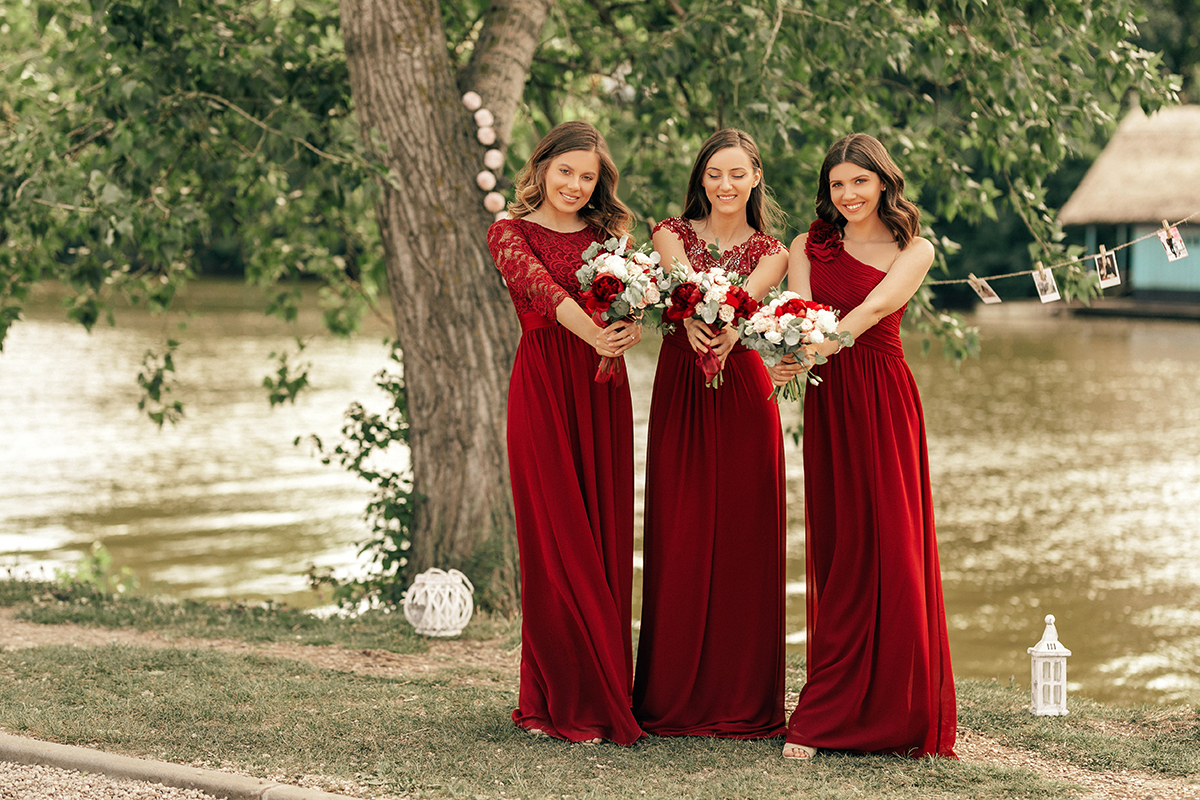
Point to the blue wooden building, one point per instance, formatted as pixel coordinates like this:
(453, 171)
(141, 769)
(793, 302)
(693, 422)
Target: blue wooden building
(1148, 172)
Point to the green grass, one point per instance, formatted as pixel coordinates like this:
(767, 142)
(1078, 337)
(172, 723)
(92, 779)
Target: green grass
(50, 603)
(1162, 739)
(445, 735)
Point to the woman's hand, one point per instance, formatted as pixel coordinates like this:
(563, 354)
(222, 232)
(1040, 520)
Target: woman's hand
(785, 370)
(723, 342)
(699, 335)
(618, 337)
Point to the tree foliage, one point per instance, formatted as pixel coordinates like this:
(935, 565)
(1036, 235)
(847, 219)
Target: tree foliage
(979, 101)
(142, 138)
(145, 141)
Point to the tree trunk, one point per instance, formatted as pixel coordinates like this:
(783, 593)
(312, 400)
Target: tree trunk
(454, 321)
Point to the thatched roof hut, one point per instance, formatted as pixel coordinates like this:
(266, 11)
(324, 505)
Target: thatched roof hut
(1149, 171)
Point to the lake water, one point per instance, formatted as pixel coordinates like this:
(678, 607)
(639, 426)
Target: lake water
(1065, 461)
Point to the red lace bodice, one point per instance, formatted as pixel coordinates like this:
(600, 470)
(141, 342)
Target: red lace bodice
(539, 264)
(741, 259)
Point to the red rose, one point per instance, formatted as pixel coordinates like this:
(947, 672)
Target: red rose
(796, 307)
(683, 302)
(606, 287)
(743, 304)
(824, 241)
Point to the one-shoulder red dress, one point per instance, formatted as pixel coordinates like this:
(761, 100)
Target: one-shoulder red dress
(879, 677)
(570, 455)
(711, 651)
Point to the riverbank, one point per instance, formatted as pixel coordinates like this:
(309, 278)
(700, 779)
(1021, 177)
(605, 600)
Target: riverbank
(365, 708)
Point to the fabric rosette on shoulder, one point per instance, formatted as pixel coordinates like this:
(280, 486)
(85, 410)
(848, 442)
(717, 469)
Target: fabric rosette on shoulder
(788, 325)
(618, 284)
(715, 297)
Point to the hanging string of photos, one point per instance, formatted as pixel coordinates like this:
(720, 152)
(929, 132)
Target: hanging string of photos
(1105, 265)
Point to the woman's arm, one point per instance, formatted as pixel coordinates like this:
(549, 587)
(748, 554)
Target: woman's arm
(525, 273)
(767, 274)
(890, 294)
(669, 246)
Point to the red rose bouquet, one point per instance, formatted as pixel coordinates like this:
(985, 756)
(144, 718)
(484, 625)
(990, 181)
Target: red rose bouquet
(786, 325)
(714, 297)
(618, 284)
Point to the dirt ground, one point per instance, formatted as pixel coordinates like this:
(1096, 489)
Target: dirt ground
(971, 746)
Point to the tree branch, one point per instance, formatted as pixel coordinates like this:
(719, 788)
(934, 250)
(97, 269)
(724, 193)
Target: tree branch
(256, 121)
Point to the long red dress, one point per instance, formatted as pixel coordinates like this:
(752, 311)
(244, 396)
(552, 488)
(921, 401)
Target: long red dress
(879, 677)
(710, 651)
(570, 454)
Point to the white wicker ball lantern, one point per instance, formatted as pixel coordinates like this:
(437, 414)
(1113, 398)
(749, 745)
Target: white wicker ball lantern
(485, 180)
(493, 160)
(1048, 684)
(484, 118)
(439, 602)
(494, 202)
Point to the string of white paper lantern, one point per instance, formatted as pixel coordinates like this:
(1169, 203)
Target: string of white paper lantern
(493, 159)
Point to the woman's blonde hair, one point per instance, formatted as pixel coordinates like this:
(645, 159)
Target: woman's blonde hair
(603, 211)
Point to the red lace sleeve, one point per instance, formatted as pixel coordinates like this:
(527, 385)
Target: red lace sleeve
(761, 245)
(523, 271)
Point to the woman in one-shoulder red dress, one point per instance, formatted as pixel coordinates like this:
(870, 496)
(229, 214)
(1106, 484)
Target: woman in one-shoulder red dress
(570, 448)
(710, 650)
(879, 677)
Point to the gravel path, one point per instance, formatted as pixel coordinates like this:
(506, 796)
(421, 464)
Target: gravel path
(35, 782)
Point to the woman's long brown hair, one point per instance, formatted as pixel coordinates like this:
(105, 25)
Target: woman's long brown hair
(762, 212)
(604, 211)
(900, 215)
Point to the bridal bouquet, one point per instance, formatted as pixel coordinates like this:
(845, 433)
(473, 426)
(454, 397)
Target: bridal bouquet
(714, 297)
(618, 284)
(785, 326)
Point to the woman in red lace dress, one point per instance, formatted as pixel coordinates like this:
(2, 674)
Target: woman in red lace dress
(570, 448)
(710, 651)
(879, 676)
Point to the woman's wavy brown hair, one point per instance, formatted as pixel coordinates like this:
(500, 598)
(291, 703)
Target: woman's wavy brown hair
(603, 211)
(900, 215)
(762, 212)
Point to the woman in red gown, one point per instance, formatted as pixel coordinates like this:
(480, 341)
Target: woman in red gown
(710, 651)
(570, 448)
(879, 677)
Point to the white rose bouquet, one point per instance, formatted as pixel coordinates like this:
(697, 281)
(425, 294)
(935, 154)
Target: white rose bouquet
(786, 325)
(618, 284)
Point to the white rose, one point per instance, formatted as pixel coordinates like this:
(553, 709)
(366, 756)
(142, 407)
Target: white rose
(774, 337)
(652, 294)
(726, 314)
(826, 321)
(806, 325)
(816, 337)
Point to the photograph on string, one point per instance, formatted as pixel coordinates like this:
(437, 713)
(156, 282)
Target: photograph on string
(1106, 268)
(986, 293)
(1047, 287)
(1172, 242)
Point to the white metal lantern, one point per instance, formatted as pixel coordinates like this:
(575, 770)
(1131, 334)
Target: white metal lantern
(439, 603)
(1048, 686)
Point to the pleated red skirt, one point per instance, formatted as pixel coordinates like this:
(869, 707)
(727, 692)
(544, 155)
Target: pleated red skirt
(570, 450)
(710, 651)
(879, 676)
